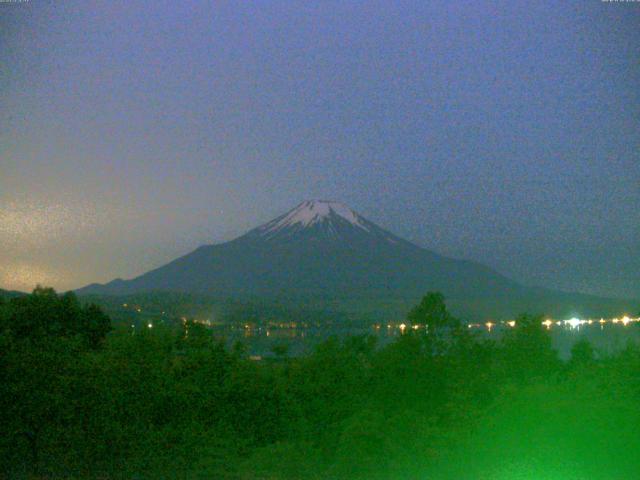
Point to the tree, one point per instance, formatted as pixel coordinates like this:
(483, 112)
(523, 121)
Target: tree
(45, 314)
(582, 354)
(431, 312)
(527, 350)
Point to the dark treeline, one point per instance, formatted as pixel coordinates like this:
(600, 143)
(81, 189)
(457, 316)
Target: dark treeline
(171, 306)
(79, 400)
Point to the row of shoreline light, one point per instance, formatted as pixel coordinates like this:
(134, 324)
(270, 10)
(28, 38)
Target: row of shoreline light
(572, 323)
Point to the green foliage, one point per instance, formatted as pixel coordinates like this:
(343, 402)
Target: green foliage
(575, 430)
(431, 312)
(582, 355)
(45, 314)
(527, 351)
(176, 403)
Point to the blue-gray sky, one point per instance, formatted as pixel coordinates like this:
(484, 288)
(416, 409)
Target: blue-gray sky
(504, 132)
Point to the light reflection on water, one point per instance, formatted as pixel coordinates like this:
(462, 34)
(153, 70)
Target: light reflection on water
(605, 338)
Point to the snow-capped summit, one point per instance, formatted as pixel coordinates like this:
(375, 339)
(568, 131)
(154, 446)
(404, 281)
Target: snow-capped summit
(322, 220)
(312, 212)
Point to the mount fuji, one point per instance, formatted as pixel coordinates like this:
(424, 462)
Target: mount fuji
(323, 253)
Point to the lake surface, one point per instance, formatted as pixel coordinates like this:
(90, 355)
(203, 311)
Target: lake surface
(605, 338)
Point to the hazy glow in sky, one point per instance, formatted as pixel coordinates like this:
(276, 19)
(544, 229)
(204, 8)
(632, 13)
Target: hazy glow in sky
(132, 132)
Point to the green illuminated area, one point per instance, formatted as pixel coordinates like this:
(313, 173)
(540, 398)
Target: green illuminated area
(80, 401)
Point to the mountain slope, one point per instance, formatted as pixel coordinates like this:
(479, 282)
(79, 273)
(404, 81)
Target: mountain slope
(324, 252)
(7, 294)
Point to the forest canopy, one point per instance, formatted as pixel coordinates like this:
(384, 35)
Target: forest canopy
(80, 400)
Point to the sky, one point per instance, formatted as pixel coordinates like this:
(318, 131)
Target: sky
(502, 132)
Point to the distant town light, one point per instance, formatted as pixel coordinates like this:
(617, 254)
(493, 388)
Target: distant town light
(511, 323)
(547, 323)
(574, 322)
(150, 325)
